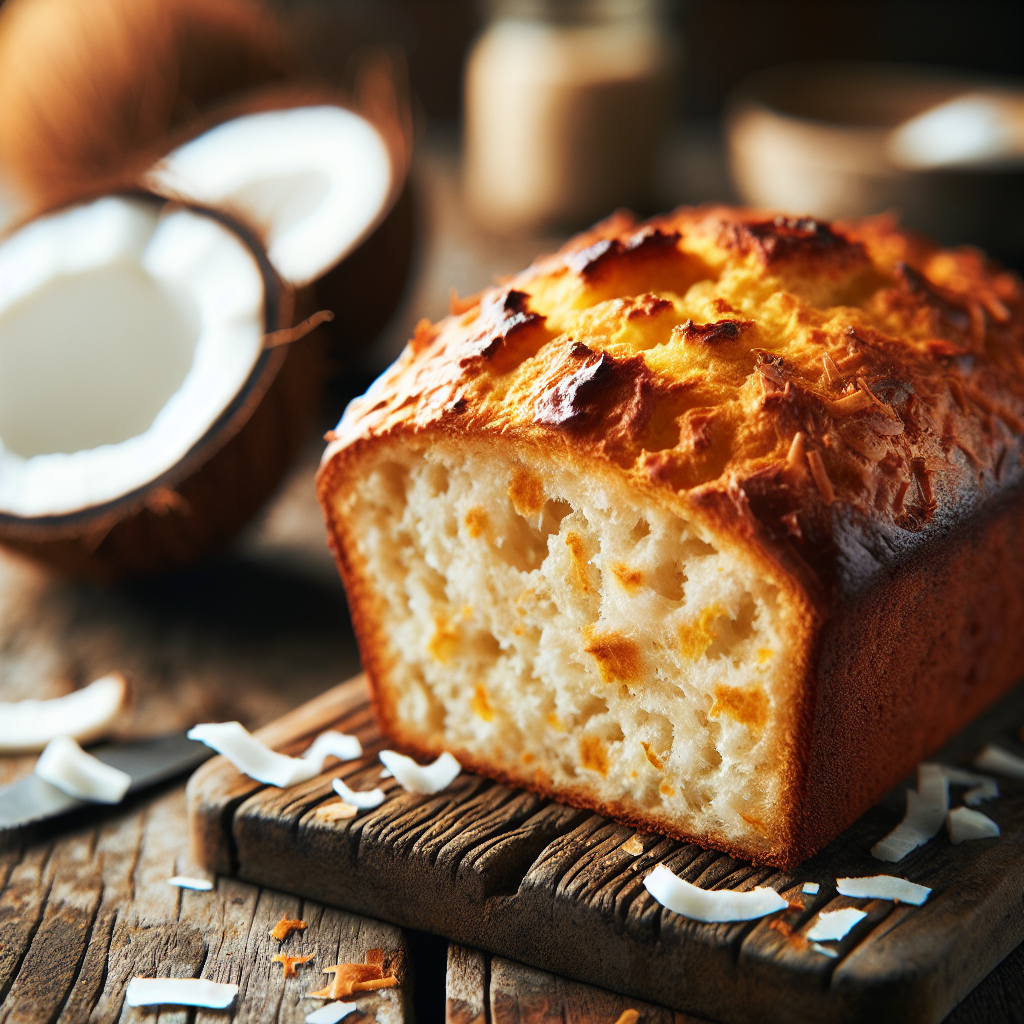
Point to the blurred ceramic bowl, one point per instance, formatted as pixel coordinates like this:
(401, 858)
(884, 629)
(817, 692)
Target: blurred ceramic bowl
(816, 138)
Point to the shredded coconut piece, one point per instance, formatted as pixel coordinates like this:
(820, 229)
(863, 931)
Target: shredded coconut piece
(352, 978)
(883, 887)
(811, 888)
(289, 960)
(336, 811)
(985, 787)
(926, 813)
(184, 882)
(629, 1016)
(365, 800)
(180, 992)
(286, 926)
(67, 766)
(1000, 762)
(331, 1013)
(824, 950)
(711, 905)
(834, 925)
(963, 823)
(431, 778)
(385, 774)
(261, 763)
(633, 846)
(84, 715)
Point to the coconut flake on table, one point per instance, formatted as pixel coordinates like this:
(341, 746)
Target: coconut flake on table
(331, 1013)
(364, 800)
(833, 925)
(711, 905)
(261, 763)
(810, 888)
(67, 766)
(213, 995)
(883, 887)
(184, 882)
(84, 715)
(824, 950)
(430, 778)
(984, 787)
(1000, 762)
(927, 807)
(963, 824)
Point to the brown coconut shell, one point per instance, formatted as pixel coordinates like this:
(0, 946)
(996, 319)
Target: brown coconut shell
(91, 91)
(363, 289)
(199, 504)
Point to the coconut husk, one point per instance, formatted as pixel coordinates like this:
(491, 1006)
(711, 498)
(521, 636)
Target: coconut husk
(91, 92)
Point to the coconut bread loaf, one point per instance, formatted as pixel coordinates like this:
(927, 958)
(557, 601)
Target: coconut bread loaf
(712, 524)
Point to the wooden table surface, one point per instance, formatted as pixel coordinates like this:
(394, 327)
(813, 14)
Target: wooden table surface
(84, 900)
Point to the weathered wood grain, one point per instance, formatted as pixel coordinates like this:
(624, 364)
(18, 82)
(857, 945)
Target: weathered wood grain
(482, 987)
(551, 887)
(83, 913)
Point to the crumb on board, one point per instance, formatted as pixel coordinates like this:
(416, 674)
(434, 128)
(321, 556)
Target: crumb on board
(336, 811)
(633, 846)
(352, 978)
(628, 1017)
(286, 926)
(289, 960)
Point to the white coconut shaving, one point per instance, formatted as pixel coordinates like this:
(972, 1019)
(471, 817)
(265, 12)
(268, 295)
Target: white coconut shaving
(824, 950)
(984, 787)
(883, 887)
(184, 882)
(365, 800)
(67, 766)
(84, 714)
(1000, 762)
(833, 925)
(213, 995)
(261, 763)
(331, 1013)
(430, 778)
(810, 888)
(927, 807)
(711, 905)
(963, 824)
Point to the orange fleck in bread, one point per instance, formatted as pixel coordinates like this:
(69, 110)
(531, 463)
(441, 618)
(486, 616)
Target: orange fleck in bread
(717, 518)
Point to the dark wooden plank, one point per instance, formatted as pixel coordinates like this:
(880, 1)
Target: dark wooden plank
(558, 889)
(84, 913)
(481, 987)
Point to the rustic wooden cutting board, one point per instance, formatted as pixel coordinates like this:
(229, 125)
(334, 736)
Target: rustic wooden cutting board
(506, 871)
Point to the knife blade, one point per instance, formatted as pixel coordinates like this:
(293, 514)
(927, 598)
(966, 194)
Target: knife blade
(146, 761)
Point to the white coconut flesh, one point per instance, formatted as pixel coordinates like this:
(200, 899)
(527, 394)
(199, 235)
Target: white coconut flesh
(313, 181)
(126, 330)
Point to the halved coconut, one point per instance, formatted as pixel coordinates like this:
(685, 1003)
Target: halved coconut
(143, 419)
(324, 188)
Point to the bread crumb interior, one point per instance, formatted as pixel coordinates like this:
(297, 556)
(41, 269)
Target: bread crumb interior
(555, 626)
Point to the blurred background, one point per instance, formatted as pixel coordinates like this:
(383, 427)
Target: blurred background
(585, 106)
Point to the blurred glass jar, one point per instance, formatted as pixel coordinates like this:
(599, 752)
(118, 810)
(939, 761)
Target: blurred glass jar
(566, 103)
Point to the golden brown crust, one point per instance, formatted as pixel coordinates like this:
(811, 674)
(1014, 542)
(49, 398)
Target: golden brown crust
(832, 399)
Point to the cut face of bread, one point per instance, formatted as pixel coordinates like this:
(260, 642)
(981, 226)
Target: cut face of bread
(579, 635)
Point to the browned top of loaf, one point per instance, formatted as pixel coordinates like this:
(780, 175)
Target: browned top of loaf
(836, 391)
